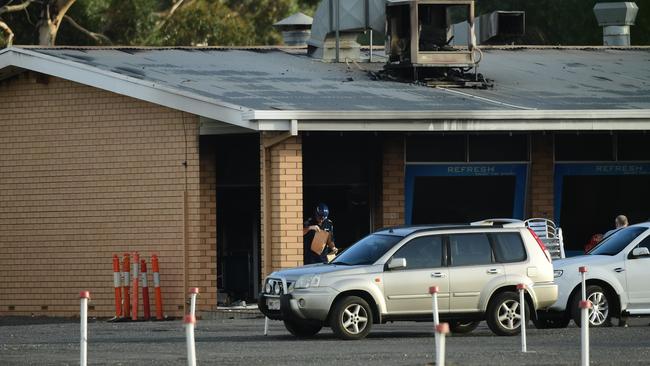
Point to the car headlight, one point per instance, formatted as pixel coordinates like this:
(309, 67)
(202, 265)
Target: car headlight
(557, 273)
(268, 288)
(306, 281)
(277, 288)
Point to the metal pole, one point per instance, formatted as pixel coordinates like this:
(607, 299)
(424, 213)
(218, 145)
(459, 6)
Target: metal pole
(189, 321)
(194, 291)
(441, 329)
(338, 25)
(585, 305)
(266, 325)
(83, 346)
(584, 332)
(522, 313)
(433, 290)
(370, 54)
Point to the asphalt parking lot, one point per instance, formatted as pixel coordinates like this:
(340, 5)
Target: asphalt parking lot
(36, 341)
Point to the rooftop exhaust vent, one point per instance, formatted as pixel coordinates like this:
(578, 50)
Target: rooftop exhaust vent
(497, 27)
(296, 29)
(616, 19)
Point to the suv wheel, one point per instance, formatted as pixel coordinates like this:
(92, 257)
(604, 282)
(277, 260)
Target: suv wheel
(463, 326)
(599, 315)
(351, 318)
(302, 329)
(503, 314)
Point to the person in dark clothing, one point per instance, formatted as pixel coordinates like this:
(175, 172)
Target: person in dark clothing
(317, 223)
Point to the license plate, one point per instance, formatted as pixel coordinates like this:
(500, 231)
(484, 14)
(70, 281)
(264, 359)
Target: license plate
(273, 304)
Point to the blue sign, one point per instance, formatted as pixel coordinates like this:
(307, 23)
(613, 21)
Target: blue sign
(591, 169)
(466, 170)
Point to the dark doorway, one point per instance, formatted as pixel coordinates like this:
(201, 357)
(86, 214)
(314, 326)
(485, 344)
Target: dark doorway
(344, 172)
(445, 200)
(238, 217)
(590, 204)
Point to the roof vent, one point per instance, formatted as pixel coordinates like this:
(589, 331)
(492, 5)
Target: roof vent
(497, 27)
(337, 25)
(420, 33)
(296, 29)
(616, 19)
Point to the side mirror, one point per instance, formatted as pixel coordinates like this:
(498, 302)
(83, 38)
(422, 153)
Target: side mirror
(640, 252)
(397, 263)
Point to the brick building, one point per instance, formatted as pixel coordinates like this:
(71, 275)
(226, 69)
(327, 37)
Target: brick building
(212, 158)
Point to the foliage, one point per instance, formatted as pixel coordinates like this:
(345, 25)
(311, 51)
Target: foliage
(250, 22)
(566, 22)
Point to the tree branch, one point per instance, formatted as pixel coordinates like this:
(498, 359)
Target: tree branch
(97, 37)
(14, 8)
(62, 7)
(8, 32)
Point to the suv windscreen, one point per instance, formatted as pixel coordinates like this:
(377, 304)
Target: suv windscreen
(367, 250)
(422, 252)
(616, 242)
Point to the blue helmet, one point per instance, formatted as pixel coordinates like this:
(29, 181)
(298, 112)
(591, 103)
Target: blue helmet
(321, 211)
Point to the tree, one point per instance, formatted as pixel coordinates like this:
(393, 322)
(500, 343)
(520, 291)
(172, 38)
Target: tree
(49, 17)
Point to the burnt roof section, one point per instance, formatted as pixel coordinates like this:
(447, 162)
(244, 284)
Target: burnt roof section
(272, 79)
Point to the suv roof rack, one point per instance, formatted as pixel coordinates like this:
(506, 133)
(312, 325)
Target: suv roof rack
(500, 222)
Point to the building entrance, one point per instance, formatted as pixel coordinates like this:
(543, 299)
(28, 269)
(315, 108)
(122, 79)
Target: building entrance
(589, 196)
(462, 193)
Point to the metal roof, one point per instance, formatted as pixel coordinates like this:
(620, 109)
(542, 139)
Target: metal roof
(266, 88)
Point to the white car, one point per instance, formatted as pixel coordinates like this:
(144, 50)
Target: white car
(617, 281)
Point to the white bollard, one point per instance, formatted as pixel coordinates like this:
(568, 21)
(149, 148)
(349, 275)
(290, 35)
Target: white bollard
(584, 331)
(83, 346)
(441, 330)
(522, 313)
(189, 321)
(266, 325)
(194, 291)
(585, 305)
(433, 290)
(583, 272)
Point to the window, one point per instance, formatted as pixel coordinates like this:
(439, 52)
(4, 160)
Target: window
(367, 250)
(470, 249)
(587, 147)
(633, 146)
(508, 247)
(422, 252)
(644, 243)
(498, 147)
(614, 243)
(436, 148)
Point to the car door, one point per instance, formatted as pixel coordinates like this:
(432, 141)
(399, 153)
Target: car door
(406, 290)
(637, 272)
(472, 269)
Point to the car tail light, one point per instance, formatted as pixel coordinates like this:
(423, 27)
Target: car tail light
(547, 254)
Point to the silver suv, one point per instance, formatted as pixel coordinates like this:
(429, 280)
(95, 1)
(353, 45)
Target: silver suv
(386, 276)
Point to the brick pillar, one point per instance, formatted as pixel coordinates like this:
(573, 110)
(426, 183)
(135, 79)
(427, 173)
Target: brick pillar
(281, 182)
(541, 177)
(393, 182)
(207, 279)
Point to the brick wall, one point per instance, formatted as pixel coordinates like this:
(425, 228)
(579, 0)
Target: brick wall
(85, 174)
(284, 163)
(541, 177)
(393, 182)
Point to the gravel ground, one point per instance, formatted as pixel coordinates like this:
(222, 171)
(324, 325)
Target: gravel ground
(47, 341)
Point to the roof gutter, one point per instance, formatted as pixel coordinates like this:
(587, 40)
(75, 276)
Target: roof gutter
(476, 120)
